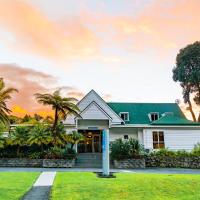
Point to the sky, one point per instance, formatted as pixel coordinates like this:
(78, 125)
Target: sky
(123, 49)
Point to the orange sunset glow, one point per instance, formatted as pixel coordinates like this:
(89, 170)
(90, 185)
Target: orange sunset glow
(125, 50)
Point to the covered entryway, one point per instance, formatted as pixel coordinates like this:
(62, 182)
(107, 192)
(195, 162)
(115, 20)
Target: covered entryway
(92, 142)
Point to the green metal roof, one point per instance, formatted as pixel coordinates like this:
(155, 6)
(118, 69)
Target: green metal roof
(138, 112)
(173, 120)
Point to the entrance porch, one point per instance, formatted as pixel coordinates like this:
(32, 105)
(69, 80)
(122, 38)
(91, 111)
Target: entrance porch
(92, 142)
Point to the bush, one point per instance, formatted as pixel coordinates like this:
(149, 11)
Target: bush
(36, 155)
(163, 153)
(59, 153)
(136, 149)
(196, 150)
(124, 149)
(119, 149)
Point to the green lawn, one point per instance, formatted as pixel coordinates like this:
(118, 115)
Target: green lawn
(13, 185)
(86, 186)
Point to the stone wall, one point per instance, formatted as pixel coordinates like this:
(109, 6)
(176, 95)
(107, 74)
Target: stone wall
(176, 162)
(20, 162)
(24, 162)
(130, 163)
(58, 163)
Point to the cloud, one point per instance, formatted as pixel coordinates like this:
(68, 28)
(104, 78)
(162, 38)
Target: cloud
(28, 82)
(163, 25)
(35, 33)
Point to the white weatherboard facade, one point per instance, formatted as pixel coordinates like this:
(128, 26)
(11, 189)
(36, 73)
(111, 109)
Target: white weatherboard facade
(97, 115)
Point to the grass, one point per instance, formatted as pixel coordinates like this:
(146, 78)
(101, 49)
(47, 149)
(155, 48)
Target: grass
(86, 186)
(13, 185)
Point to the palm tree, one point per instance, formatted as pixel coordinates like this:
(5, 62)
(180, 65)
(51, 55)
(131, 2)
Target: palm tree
(5, 95)
(2, 140)
(74, 138)
(62, 106)
(2, 136)
(19, 137)
(39, 135)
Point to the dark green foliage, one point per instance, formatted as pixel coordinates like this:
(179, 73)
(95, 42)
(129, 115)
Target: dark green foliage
(196, 150)
(187, 72)
(136, 149)
(124, 149)
(40, 135)
(181, 153)
(59, 153)
(5, 96)
(75, 138)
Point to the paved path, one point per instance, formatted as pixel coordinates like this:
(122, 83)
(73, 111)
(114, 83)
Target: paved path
(147, 170)
(42, 187)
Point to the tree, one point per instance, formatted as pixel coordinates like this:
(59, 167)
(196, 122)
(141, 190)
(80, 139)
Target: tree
(26, 118)
(74, 138)
(39, 135)
(2, 137)
(38, 117)
(187, 72)
(19, 137)
(62, 106)
(5, 95)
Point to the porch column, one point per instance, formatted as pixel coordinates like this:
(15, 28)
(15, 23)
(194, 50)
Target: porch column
(105, 149)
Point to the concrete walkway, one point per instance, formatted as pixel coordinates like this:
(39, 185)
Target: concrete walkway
(42, 187)
(147, 170)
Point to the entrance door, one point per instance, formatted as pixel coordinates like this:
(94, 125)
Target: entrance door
(97, 143)
(92, 142)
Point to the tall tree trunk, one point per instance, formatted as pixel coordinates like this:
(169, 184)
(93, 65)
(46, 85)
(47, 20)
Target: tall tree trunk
(191, 111)
(54, 126)
(55, 119)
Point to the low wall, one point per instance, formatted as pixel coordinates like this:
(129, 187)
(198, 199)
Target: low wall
(58, 163)
(24, 162)
(130, 163)
(175, 162)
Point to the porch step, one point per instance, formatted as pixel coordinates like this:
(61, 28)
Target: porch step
(89, 160)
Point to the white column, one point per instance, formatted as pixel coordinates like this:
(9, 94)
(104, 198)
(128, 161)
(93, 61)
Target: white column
(106, 151)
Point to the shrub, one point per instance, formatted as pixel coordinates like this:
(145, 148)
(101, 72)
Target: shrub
(196, 150)
(119, 149)
(59, 153)
(136, 149)
(36, 155)
(124, 149)
(163, 153)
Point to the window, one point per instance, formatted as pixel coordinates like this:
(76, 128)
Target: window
(124, 116)
(158, 140)
(126, 137)
(154, 116)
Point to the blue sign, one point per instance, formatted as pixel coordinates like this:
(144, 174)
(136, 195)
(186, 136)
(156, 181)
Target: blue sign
(105, 150)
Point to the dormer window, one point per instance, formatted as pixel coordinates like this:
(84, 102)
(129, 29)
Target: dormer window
(154, 116)
(124, 116)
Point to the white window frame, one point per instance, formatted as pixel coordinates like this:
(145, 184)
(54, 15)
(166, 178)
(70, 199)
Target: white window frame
(153, 113)
(158, 135)
(126, 113)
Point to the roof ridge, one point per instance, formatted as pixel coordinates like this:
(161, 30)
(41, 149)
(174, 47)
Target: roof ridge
(142, 102)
